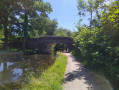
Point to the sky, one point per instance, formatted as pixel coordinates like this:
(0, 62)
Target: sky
(65, 12)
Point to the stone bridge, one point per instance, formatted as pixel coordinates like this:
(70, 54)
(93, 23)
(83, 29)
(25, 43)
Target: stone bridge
(44, 43)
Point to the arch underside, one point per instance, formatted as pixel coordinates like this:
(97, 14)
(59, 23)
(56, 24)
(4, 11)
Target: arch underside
(48, 45)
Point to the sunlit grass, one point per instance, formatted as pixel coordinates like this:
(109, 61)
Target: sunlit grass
(52, 78)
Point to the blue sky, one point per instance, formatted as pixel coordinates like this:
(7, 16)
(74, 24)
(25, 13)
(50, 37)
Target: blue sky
(66, 13)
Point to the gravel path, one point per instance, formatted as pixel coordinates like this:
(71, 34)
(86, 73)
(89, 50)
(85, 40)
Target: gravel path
(77, 77)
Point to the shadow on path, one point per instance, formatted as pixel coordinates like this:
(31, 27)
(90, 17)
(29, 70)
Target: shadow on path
(92, 80)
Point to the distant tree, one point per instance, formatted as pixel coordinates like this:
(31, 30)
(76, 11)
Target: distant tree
(63, 32)
(51, 27)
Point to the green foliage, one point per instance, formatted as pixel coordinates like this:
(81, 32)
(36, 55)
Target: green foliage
(62, 32)
(8, 10)
(26, 19)
(19, 18)
(93, 7)
(110, 23)
(50, 27)
(85, 6)
(45, 26)
(50, 79)
(52, 49)
(1, 38)
(98, 48)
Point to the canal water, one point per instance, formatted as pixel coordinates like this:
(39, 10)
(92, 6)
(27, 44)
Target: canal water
(15, 68)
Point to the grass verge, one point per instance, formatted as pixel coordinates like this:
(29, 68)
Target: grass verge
(52, 78)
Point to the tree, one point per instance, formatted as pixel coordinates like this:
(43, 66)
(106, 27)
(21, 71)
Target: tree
(32, 10)
(8, 9)
(62, 32)
(49, 26)
(110, 23)
(23, 18)
(91, 6)
(85, 7)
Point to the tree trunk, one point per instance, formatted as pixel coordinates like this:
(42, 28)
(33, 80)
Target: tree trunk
(91, 19)
(6, 36)
(25, 30)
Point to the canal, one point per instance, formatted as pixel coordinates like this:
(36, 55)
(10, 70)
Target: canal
(16, 68)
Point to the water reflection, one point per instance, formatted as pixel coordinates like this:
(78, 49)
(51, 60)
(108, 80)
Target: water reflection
(15, 66)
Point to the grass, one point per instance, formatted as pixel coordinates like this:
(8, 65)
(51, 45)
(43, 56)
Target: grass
(52, 78)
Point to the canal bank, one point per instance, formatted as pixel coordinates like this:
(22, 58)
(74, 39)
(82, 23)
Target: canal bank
(52, 78)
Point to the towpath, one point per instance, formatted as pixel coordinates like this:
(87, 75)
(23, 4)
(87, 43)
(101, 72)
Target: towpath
(77, 77)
